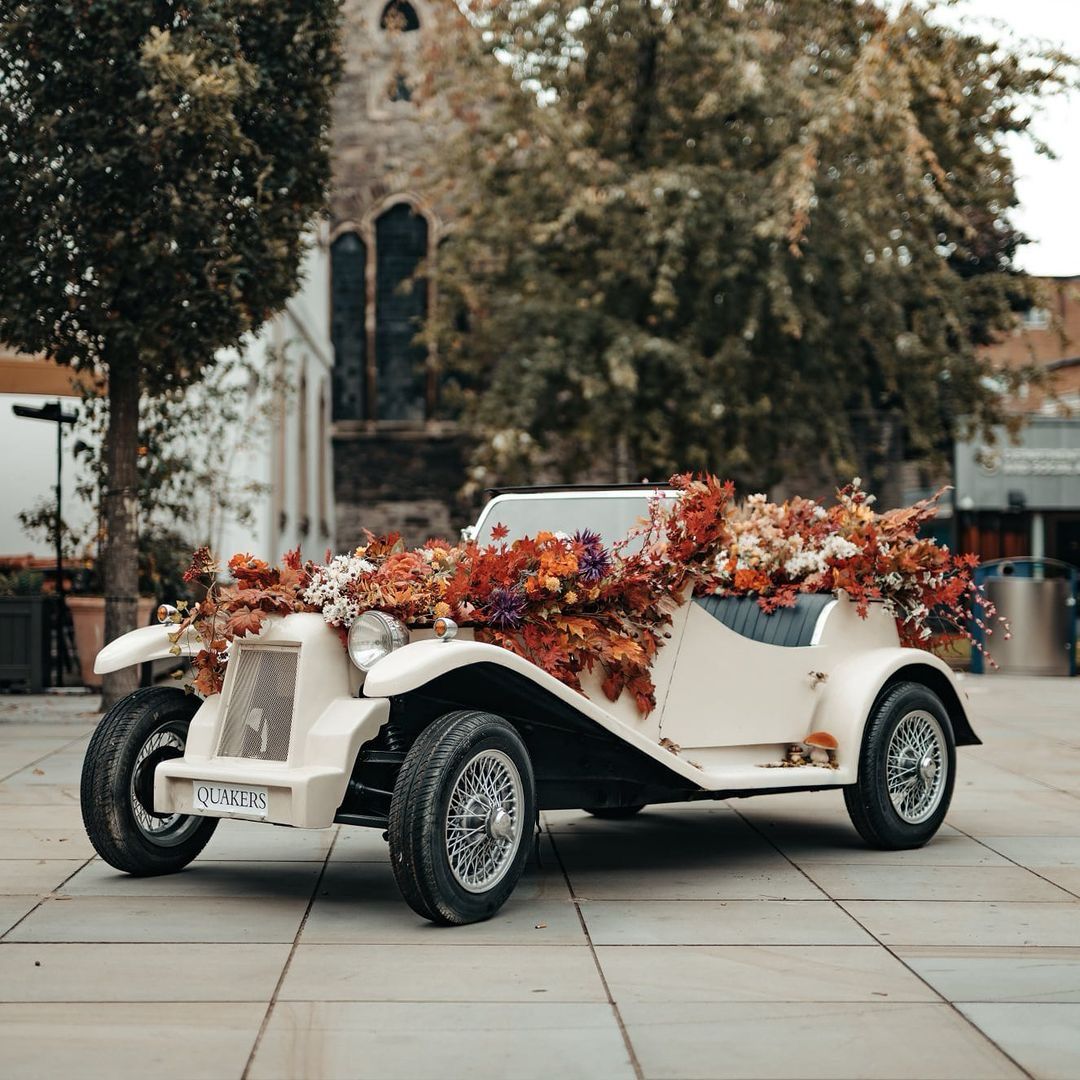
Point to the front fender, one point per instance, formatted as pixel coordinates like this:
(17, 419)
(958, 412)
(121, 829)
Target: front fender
(139, 646)
(415, 665)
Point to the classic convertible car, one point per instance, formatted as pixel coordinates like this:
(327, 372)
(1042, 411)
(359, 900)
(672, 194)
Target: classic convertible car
(452, 746)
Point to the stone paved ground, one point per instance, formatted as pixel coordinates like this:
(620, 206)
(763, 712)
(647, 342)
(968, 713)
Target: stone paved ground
(757, 938)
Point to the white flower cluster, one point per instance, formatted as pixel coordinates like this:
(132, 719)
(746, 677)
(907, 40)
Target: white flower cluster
(328, 588)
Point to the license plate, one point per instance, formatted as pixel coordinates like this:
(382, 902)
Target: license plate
(231, 799)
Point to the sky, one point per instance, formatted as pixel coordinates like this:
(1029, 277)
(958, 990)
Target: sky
(1048, 213)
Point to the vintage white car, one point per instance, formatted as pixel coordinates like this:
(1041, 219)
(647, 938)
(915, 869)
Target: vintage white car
(452, 746)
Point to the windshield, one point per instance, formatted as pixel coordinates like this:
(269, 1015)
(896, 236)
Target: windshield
(611, 514)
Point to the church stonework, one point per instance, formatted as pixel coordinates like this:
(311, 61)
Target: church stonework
(397, 467)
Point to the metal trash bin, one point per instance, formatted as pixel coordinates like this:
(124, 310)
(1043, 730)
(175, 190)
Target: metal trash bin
(1038, 597)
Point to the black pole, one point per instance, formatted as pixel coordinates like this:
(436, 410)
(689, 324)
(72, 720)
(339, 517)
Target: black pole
(54, 413)
(61, 607)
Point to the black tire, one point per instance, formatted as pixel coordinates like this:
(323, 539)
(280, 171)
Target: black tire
(419, 810)
(113, 799)
(869, 804)
(614, 813)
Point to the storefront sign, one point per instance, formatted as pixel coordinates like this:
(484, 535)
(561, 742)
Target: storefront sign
(1040, 471)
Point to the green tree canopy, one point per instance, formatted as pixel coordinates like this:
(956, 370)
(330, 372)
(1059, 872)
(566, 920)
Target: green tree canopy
(756, 237)
(161, 161)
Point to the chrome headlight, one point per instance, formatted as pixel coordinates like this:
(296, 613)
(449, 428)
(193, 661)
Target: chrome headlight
(373, 635)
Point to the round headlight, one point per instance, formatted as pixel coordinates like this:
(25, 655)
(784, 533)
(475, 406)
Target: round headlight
(373, 635)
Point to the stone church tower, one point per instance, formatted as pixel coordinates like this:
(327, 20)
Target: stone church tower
(396, 466)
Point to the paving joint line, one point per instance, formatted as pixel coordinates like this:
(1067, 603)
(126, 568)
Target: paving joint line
(48, 754)
(1021, 866)
(639, 1073)
(888, 948)
(288, 961)
(43, 897)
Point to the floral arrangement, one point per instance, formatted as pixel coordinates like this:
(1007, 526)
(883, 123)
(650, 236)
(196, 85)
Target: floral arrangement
(571, 605)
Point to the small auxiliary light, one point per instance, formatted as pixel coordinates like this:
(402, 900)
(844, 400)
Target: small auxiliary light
(166, 613)
(445, 629)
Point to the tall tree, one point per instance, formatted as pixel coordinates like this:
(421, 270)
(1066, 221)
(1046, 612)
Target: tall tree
(162, 160)
(764, 238)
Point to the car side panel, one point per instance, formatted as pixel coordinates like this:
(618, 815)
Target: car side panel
(728, 690)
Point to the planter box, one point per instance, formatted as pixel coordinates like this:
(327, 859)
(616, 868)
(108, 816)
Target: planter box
(88, 618)
(24, 641)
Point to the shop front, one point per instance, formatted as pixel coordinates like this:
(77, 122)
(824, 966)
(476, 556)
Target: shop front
(1021, 498)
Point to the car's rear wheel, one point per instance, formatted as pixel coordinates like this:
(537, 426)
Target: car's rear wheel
(117, 789)
(463, 809)
(614, 813)
(906, 770)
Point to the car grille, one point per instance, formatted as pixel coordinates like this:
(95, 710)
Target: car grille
(259, 708)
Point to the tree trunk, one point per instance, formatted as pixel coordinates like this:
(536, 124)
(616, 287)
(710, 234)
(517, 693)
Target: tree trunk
(121, 553)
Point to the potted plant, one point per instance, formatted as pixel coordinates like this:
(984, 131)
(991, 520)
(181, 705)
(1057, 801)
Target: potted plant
(24, 630)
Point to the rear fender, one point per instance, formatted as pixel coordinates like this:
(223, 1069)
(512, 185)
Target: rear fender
(854, 686)
(139, 646)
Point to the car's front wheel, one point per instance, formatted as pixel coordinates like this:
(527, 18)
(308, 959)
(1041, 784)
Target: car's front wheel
(462, 814)
(906, 770)
(117, 790)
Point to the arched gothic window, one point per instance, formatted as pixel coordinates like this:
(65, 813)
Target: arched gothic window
(348, 305)
(401, 16)
(401, 243)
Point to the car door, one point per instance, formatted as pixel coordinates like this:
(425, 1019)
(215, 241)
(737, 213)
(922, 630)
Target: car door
(740, 680)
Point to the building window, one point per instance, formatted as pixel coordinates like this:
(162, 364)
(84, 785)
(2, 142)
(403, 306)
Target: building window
(348, 303)
(1036, 318)
(401, 240)
(399, 16)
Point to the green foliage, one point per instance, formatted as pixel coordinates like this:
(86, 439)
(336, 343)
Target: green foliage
(161, 161)
(21, 583)
(760, 238)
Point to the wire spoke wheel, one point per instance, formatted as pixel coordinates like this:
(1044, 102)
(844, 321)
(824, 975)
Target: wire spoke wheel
(165, 830)
(916, 766)
(484, 820)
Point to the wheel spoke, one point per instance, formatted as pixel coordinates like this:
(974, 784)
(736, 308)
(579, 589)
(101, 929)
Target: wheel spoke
(483, 804)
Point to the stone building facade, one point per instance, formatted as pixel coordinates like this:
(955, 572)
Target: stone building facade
(397, 466)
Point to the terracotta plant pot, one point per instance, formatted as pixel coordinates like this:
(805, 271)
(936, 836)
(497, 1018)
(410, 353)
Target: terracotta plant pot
(88, 619)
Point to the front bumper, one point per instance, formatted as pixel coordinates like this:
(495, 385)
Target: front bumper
(304, 791)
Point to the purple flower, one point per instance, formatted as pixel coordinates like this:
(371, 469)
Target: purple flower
(594, 561)
(505, 609)
(587, 537)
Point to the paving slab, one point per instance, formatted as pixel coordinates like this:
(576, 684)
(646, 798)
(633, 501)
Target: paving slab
(201, 878)
(1038, 850)
(359, 903)
(144, 918)
(35, 877)
(219, 972)
(944, 923)
(443, 972)
(822, 973)
(872, 881)
(252, 841)
(14, 908)
(709, 922)
(712, 1041)
(45, 843)
(136, 1040)
(987, 974)
(429, 1041)
(1040, 1038)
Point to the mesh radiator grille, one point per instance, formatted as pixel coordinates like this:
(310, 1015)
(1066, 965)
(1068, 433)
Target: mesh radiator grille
(259, 711)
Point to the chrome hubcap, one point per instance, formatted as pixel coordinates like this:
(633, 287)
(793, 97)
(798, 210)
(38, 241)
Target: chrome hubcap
(483, 820)
(916, 766)
(165, 830)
